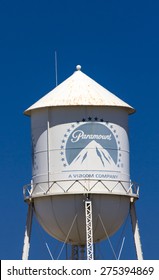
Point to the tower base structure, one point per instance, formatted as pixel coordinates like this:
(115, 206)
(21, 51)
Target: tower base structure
(88, 231)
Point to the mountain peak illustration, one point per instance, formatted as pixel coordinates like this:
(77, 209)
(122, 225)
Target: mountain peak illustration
(93, 157)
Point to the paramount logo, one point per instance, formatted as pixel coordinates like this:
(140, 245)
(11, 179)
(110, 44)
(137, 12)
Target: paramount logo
(79, 134)
(93, 157)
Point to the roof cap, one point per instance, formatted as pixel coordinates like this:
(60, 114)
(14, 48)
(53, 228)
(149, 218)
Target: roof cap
(79, 90)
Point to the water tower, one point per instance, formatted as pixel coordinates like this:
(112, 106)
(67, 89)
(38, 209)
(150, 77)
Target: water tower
(80, 190)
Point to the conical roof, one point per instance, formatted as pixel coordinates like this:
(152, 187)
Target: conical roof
(79, 90)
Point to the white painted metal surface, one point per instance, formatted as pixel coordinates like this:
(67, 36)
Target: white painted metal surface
(85, 145)
(57, 212)
(79, 90)
(26, 246)
(136, 232)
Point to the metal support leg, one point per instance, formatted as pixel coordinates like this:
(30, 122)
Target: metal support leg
(27, 235)
(78, 252)
(82, 252)
(136, 233)
(75, 252)
(89, 229)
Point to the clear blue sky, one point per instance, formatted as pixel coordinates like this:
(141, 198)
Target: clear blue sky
(117, 44)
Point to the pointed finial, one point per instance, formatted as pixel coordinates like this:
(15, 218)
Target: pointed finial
(78, 67)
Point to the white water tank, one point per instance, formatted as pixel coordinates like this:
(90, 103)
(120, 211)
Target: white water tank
(80, 149)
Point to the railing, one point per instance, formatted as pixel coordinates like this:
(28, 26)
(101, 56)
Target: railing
(30, 190)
